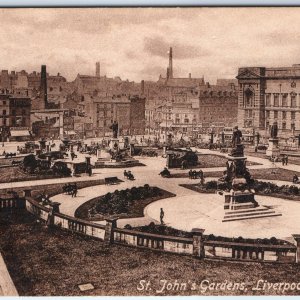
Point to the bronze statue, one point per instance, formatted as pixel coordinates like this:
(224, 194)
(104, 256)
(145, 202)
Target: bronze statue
(236, 137)
(114, 128)
(274, 130)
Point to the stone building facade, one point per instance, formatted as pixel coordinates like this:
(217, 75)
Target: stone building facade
(267, 96)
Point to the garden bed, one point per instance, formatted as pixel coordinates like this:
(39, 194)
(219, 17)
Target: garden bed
(129, 203)
(15, 174)
(170, 231)
(289, 192)
(266, 174)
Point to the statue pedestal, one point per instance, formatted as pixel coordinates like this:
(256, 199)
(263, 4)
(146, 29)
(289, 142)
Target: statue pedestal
(114, 144)
(236, 169)
(243, 206)
(273, 149)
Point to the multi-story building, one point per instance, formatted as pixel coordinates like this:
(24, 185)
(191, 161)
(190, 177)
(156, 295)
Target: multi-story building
(267, 96)
(218, 106)
(14, 116)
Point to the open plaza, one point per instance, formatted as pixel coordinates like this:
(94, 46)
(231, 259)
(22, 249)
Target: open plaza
(175, 200)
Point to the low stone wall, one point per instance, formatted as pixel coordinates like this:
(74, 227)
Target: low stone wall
(250, 252)
(12, 203)
(153, 241)
(64, 221)
(196, 246)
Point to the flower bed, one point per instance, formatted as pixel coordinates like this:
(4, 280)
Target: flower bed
(124, 203)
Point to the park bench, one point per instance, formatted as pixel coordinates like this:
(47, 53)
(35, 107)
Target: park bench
(111, 180)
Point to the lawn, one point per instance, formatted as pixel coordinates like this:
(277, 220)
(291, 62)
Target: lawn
(266, 174)
(51, 189)
(52, 262)
(214, 160)
(14, 173)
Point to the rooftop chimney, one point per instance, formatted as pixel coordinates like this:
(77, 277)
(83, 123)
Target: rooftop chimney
(170, 63)
(44, 85)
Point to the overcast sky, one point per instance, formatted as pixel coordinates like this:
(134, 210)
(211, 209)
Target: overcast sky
(133, 43)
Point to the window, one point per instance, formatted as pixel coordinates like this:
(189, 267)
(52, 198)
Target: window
(4, 121)
(275, 114)
(267, 125)
(276, 100)
(267, 114)
(283, 125)
(293, 127)
(249, 97)
(284, 100)
(268, 100)
(284, 115)
(4, 102)
(248, 113)
(293, 115)
(4, 112)
(186, 121)
(293, 100)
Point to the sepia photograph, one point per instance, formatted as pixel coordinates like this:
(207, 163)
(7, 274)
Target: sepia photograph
(150, 151)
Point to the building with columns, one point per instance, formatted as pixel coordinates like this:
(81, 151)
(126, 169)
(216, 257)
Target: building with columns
(268, 95)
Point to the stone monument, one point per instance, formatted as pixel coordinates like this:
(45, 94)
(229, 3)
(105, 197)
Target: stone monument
(273, 149)
(116, 154)
(240, 203)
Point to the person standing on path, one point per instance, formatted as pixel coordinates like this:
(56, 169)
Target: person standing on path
(162, 214)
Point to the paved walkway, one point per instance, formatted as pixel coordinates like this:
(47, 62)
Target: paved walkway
(184, 201)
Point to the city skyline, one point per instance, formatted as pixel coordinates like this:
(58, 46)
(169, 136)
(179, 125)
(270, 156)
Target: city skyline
(134, 43)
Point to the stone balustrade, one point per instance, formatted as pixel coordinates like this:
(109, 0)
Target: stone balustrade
(196, 246)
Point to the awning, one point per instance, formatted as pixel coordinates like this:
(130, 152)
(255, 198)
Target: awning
(19, 133)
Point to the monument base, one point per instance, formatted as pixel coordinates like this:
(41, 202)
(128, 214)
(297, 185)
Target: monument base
(243, 206)
(273, 149)
(131, 162)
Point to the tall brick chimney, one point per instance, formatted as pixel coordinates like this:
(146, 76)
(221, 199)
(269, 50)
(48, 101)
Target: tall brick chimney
(44, 85)
(98, 69)
(142, 87)
(170, 63)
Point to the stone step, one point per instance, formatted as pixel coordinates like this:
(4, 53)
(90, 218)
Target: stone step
(255, 216)
(249, 214)
(247, 210)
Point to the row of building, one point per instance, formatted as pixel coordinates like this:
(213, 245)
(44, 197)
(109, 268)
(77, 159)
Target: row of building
(43, 105)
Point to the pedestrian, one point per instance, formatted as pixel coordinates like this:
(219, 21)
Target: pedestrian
(75, 190)
(286, 160)
(162, 214)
